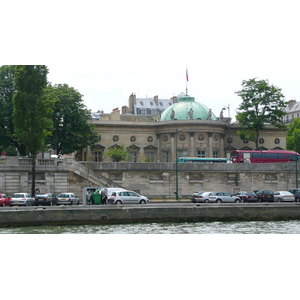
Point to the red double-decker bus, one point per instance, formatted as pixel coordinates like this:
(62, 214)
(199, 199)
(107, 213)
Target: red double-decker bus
(264, 156)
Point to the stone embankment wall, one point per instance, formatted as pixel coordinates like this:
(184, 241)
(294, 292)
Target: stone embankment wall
(155, 180)
(145, 213)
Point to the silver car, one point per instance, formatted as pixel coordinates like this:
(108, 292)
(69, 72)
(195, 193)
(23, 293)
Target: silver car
(202, 197)
(24, 199)
(67, 198)
(220, 197)
(120, 197)
(281, 196)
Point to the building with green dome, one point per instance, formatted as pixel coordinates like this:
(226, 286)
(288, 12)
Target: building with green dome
(159, 130)
(187, 109)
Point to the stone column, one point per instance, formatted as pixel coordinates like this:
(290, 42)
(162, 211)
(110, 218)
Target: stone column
(222, 153)
(158, 152)
(210, 152)
(173, 147)
(192, 145)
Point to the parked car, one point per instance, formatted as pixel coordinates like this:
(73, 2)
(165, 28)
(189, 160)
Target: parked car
(296, 193)
(219, 197)
(194, 196)
(67, 198)
(247, 196)
(202, 197)
(265, 195)
(45, 199)
(4, 200)
(281, 196)
(24, 199)
(120, 197)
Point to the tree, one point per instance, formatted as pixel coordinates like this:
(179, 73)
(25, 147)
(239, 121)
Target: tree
(32, 110)
(293, 136)
(71, 130)
(117, 153)
(262, 105)
(7, 90)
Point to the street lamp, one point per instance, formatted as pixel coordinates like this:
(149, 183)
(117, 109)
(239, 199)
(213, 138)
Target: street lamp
(297, 158)
(176, 155)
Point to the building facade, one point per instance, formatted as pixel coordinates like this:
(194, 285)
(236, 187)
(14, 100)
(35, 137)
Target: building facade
(184, 128)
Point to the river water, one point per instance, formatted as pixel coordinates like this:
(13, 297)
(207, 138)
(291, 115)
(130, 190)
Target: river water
(251, 227)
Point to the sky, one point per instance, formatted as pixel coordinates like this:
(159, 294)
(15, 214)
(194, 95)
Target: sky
(108, 50)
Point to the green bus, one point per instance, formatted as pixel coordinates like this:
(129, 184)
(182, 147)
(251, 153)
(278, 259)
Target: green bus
(202, 160)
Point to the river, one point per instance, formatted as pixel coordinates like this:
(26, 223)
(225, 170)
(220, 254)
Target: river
(250, 227)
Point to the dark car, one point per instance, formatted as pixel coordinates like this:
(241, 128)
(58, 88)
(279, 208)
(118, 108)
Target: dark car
(45, 199)
(247, 196)
(296, 193)
(265, 195)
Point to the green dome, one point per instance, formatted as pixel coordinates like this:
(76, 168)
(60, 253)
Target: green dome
(187, 109)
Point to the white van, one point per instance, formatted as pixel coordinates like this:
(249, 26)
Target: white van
(110, 190)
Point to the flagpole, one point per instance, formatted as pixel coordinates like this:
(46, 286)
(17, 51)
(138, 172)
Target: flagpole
(187, 79)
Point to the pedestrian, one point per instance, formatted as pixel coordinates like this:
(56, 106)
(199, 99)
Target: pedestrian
(104, 198)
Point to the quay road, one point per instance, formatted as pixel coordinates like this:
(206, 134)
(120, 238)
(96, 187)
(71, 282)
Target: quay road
(148, 213)
(153, 203)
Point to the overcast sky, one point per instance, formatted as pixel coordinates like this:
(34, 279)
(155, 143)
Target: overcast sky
(110, 49)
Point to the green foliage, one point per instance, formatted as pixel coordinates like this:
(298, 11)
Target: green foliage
(7, 90)
(117, 153)
(32, 110)
(293, 136)
(10, 151)
(71, 130)
(262, 105)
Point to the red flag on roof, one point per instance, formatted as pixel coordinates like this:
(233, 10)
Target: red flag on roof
(187, 75)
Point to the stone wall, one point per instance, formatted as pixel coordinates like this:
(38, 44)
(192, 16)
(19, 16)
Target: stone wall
(156, 180)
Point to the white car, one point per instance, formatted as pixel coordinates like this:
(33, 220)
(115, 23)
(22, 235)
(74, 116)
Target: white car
(24, 199)
(67, 198)
(220, 197)
(124, 197)
(281, 196)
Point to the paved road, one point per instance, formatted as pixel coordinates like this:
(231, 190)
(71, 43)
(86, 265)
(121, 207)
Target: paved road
(151, 204)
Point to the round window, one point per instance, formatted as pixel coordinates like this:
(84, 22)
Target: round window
(133, 138)
(115, 138)
(201, 137)
(182, 137)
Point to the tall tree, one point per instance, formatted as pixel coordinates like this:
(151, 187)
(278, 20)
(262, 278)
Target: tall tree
(32, 110)
(293, 136)
(71, 130)
(263, 104)
(7, 89)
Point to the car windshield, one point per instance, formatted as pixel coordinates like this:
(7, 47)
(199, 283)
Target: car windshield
(18, 196)
(63, 196)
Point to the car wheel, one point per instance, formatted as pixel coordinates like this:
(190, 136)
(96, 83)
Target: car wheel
(142, 202)
(279, 200)
(219, 201)
(297, 199)
(118, 202)
(237, 201)
(78, 202)
(3, 204)
(206, 201)
(27, 203)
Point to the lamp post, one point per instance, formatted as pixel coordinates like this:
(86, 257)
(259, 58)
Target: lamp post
(297, 171)
(176, 157)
